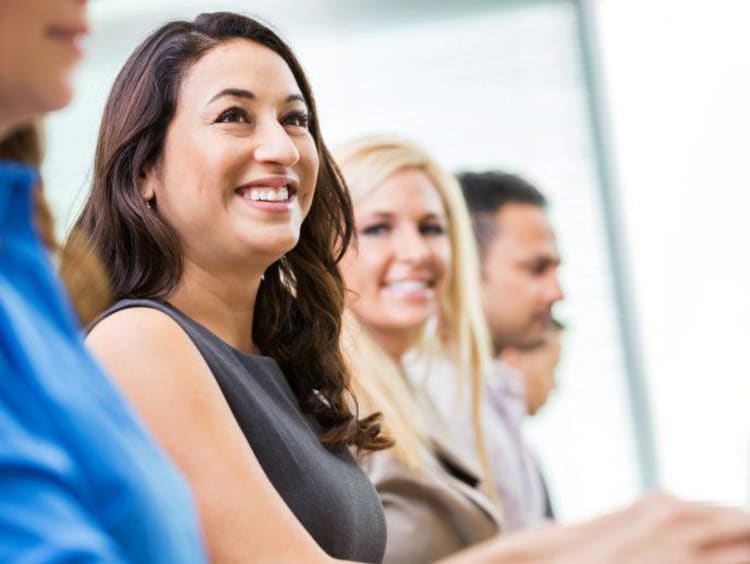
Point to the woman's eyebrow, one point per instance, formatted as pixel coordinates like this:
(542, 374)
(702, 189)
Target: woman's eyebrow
(233, 92)
(242, 93)
(296, 98)
(435, 215)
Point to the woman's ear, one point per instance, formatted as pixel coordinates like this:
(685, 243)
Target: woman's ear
(147, 181)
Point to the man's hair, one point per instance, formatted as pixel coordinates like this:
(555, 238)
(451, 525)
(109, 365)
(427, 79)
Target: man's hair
(486, 193)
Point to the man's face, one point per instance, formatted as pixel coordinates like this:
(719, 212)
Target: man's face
(519, 279)
(537, 366)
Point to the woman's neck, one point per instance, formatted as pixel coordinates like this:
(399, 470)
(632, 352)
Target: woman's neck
(223, 304)
(393, 342)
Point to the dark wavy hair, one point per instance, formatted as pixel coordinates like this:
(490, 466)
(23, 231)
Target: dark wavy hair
(298, 312)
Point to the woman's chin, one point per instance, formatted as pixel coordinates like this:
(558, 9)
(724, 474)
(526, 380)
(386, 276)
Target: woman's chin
(274, 242)
(55, 94)
(410, 321)
(267, 254)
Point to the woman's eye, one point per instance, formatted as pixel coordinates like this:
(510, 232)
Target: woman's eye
(234, 115)
(297, 119)
(433, 229)
(375, 229)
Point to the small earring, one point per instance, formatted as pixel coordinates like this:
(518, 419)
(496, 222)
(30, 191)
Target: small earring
(148, 204)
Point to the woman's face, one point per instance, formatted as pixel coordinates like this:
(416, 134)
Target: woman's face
(239, 166)
(398, 273)
(39, 47)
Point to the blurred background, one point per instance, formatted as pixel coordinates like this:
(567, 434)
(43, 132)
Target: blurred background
(631, 115)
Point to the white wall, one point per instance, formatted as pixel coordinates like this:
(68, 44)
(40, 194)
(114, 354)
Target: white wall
(680, 98)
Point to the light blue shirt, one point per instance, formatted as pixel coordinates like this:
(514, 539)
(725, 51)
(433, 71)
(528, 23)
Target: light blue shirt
(80, 477)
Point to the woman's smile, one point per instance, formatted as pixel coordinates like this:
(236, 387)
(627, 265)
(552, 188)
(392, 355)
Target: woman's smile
(275, 194)
(410, 289)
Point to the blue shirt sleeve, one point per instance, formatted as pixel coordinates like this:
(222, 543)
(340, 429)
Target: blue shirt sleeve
(43, 513)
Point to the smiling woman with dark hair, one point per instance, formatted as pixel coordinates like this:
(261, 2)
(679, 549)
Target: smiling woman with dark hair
(221, 218)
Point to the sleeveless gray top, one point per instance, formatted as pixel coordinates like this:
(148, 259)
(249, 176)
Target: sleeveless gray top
(324, 487)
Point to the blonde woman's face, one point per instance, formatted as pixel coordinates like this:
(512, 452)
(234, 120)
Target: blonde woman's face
(398, 273)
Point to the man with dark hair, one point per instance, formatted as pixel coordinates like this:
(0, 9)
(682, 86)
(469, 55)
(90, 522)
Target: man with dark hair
(518, 254)
(519, 287)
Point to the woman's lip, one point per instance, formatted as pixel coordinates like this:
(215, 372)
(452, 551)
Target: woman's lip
(71, 36)
(426, 281)
(277, 206)
(72, 31)
(268, 206)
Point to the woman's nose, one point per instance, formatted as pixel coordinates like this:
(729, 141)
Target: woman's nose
(411, 247)
(275, 145)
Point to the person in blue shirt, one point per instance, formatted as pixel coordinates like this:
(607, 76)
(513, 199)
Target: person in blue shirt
(80, 477)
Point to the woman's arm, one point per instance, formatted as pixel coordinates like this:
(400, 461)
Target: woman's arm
(164, 375)
(655, 530)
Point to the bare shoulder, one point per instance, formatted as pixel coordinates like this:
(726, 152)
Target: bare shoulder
(157, 366)
(147, 352)
(141, 329)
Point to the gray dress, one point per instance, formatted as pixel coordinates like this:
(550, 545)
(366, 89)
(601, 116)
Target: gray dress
(323, 487)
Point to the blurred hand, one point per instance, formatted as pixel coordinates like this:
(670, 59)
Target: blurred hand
(659, 529)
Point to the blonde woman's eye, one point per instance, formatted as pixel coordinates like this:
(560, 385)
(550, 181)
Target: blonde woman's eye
(375, 229)
(433, 229)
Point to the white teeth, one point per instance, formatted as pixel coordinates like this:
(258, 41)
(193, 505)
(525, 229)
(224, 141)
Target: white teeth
(269, 195)
(408, 285)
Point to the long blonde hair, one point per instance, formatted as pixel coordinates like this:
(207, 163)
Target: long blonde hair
(461, 333)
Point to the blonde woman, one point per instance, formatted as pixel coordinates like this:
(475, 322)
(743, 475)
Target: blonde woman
(393, 295)
(412, 281)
